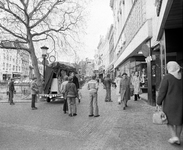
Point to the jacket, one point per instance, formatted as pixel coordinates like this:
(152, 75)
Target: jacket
(93, 86)
(70, 90)
(34, 88)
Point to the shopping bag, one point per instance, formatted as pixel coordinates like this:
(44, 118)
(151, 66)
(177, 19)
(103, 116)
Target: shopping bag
(159, 117)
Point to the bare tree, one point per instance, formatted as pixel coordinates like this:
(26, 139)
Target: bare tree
(27, 22)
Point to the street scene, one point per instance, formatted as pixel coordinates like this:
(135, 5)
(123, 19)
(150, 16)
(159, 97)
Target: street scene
(91, 75)
(48, 128)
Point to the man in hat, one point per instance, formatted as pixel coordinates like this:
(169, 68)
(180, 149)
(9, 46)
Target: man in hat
(34, 92)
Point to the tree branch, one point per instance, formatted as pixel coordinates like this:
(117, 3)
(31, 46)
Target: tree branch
(12, 33)
(10, 12)
(46, 15)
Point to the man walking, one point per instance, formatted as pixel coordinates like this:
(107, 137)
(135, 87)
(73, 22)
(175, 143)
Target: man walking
(93, 92)
(11, 91)
(34, 92)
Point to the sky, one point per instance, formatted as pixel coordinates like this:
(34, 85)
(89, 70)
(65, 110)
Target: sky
(98, 23)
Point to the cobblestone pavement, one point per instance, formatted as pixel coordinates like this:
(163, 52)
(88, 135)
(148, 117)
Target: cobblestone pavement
(49, 129)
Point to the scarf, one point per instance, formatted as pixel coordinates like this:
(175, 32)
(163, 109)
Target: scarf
(174, 68)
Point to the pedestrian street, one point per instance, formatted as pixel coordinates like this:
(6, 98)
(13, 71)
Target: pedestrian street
(48, 128)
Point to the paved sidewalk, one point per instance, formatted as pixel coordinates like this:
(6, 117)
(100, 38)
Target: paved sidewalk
(116, 129)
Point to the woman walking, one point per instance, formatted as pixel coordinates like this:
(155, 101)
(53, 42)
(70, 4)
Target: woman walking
(171, 100)
(125, 90)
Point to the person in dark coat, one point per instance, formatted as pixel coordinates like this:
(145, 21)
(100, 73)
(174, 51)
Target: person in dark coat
(34, 92)
(125, 90)
(171, 100)
(76, 82)
(11, 91)
(107, 86)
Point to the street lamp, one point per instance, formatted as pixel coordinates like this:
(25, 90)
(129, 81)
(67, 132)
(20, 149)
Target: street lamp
(44, 54)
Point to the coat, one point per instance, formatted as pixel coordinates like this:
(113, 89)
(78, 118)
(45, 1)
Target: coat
(34, 88)
(62, 88)
(11, 86)
(170, 97)
(70, 90)
(107, 83)
(125, 89)
(136, 84)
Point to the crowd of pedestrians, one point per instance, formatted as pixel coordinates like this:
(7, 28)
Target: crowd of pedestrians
(169, 96)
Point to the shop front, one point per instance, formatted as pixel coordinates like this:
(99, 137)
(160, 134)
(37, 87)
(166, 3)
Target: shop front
(135, 64)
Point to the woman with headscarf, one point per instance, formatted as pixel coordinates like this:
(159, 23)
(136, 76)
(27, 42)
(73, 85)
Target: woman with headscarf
(170, 98)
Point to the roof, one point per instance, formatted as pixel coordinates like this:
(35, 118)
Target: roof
(62, 65)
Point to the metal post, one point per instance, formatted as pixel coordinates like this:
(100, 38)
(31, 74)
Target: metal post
(44, 68)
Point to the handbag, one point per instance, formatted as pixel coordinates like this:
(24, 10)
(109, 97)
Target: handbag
(159, 117)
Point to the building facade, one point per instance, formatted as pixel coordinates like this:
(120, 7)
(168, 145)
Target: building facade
(102, 56)
(13, 63)
(144, 39)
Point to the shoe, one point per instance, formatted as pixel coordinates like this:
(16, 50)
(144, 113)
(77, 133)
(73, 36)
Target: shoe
(124, 108)
(65, 112)
(90, 115)
(79, 100)
(75, 114)
(12, 103)
(119, 103)
(97, 116)
(34, 108)
(70, 115)
(126, 105)
(110, 101)
(174, 140)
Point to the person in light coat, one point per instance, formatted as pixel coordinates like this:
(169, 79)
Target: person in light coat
(62, 90)
(136, 85)
(117, 82)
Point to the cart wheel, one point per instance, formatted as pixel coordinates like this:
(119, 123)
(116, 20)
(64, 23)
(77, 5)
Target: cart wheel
(48, 99)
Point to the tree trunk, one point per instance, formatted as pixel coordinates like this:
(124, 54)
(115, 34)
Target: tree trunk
(36, 69)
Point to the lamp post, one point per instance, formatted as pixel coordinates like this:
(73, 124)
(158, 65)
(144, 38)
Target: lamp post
(44, 54)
